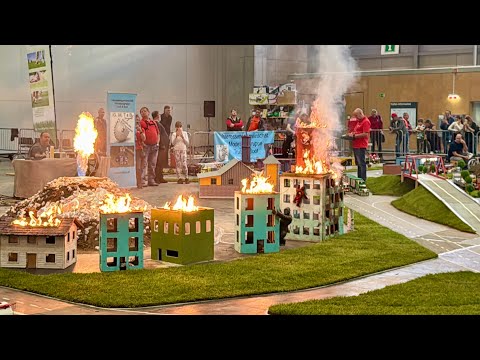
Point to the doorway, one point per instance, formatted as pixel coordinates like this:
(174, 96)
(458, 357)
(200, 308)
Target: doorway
(31, 261)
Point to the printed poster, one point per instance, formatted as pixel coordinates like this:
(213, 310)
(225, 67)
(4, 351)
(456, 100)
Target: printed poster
(121, 110)
(41, 89)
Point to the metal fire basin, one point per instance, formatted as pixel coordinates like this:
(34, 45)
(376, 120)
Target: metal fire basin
(121, 241)
(257, 230)
(318, 217)
(182, 237)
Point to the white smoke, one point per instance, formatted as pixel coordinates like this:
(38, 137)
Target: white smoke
(337, 74)
(337, 69)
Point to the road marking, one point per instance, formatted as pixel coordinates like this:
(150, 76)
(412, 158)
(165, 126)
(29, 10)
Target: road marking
(403, 230)
(454, 198)
(466, 267)
(5, 298)
(35, 305)
(48, 309)
(20, 302)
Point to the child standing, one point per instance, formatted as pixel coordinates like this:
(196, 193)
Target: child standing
(180, 143)
(420, 131)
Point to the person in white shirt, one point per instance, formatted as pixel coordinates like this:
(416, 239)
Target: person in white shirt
(457, 126)
(180, 143)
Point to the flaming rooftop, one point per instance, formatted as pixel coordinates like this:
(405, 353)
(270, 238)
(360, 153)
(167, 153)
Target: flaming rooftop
(182, 204)
(258, 185)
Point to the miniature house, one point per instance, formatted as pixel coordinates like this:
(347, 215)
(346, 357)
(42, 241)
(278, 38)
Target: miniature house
(318, 217)
(121, 241)
(182, 237)
(223, 182)
(257, 230)
(38, 247)
(272, 170)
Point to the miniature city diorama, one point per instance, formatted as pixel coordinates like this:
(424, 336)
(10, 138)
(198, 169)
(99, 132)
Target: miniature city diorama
(271, 206)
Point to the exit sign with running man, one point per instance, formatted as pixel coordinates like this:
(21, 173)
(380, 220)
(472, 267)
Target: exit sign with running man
(390, 49)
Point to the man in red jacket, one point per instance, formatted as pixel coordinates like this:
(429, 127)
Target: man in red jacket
(360, 135)
(234, 123)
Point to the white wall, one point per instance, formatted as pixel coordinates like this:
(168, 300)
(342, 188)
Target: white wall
(182, 76)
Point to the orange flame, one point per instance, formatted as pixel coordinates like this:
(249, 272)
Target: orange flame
(182, 204)
(258, 185)
(46, 217)
(84, 140)
(116, 205)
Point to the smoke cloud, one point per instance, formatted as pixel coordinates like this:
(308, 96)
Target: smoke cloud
(337, 69)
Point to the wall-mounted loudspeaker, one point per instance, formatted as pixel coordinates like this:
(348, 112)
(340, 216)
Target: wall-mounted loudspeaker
(209, 108)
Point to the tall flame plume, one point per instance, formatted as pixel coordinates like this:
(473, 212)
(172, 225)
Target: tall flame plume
(84, 140)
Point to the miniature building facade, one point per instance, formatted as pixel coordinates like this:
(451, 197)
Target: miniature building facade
(182, 237)
(318, 217)
(257, 230)
(272, 170)
(121, 241)
(223, 182)
(28, 247)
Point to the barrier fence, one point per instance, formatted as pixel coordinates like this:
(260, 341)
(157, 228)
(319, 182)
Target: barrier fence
(17, 142)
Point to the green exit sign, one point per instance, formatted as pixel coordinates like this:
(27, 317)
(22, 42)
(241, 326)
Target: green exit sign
(390, 49)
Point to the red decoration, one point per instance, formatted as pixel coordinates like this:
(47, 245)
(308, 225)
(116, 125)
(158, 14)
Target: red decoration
(300, 195)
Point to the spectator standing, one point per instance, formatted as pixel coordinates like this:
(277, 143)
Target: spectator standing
(471, 130)
(360, 136)
(407, 133)
(398, 128)
(163, 147)
(376, 132)
(152, 138)
(420, 132)
(289, 135)
(447, 120)
(166, 118)
(180, 142)
(101, 127)
(234, 122)
(255, 122)
(139, 154)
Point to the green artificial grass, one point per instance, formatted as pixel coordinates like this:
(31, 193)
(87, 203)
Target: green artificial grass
(368, 249)
(423, 204)
(389, 185)
(440, 294)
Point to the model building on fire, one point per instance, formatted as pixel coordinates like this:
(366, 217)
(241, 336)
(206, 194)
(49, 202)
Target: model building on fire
(257, 230)
(312, 190)
(182, 233)
(121, 234)
(39, 241)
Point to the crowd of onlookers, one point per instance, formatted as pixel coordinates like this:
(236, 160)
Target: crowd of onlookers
(428, 138)
(154, 139)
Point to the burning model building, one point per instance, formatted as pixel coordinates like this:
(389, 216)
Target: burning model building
(257, 230)
(121, 235)
(312, 189)
(182, 233)
(39, 241)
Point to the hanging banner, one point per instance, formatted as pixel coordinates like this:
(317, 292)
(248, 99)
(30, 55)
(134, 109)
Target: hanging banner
(41, 89)
(121, 110)
(228, 144)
